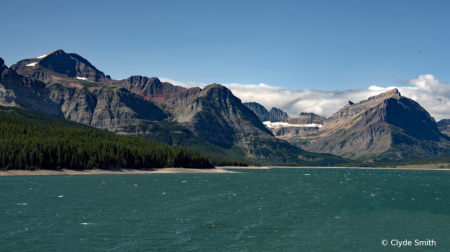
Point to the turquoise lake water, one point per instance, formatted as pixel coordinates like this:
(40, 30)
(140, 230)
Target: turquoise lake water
(256, 210)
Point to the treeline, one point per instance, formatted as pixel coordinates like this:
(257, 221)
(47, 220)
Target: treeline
(25, 144)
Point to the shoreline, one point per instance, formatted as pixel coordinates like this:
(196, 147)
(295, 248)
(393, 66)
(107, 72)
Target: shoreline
(219, 169)
(333, 167)
(69, 172)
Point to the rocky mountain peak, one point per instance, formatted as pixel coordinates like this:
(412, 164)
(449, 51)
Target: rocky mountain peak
(59, 64)
(350, 103)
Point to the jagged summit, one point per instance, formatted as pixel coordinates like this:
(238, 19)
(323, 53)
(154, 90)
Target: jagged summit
(350, 103)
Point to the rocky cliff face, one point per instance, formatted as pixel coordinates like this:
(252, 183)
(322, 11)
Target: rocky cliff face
(59, 64)
(217, 115)
(109, 109)
(16, 90)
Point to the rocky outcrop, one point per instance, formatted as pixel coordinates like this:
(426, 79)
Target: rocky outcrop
(59, 64)
(16, 90)
(215, 114)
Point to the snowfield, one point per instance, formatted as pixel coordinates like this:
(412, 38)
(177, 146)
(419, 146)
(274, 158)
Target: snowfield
(83, 78)
(283, 125)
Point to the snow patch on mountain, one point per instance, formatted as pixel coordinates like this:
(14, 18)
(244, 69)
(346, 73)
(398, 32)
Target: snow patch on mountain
(83, 78)
(283, 125)
(32, 64)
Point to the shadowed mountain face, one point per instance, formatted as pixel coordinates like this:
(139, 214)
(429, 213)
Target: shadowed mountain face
(59, 64)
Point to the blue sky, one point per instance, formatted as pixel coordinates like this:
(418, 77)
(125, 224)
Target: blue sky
(322, 45)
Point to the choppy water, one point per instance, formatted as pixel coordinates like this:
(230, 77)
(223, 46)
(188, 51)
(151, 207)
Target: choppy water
(257, 210)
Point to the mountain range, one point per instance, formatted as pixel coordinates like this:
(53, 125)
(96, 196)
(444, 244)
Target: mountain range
(384, 127)
(211, 119)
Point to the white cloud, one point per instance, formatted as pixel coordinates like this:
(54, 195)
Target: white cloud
(427, 90)
(182, 84)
